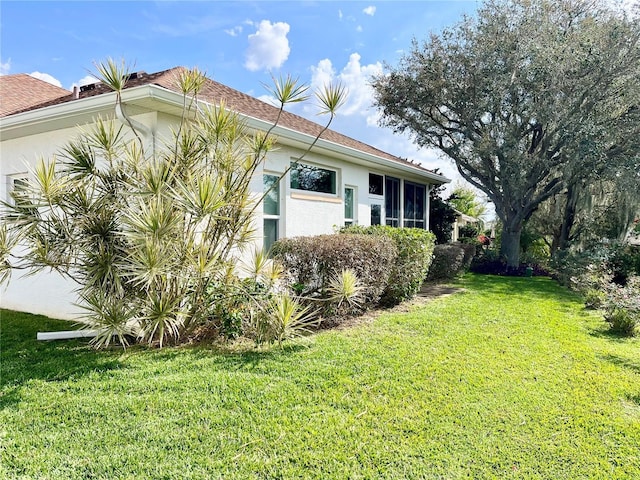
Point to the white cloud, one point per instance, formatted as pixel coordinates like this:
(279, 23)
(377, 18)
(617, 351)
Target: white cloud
(86, 80)
(370, 10)
(235, 31)
(5, 67)
(355, 77)
(340, 14)
(268, 47)
(359, 28)
(46, 78)
(358, 118)
(270, 99)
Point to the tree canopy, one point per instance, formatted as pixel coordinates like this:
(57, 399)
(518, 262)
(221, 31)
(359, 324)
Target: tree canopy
(466, 201)
(528, 98)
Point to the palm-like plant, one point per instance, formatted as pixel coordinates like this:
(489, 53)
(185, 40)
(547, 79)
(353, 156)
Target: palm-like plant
(148, 235)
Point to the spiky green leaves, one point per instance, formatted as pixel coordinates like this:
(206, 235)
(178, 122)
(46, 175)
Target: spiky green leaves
(112, 73)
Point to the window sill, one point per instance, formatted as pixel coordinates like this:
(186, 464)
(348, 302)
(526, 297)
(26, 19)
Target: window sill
(315, 198)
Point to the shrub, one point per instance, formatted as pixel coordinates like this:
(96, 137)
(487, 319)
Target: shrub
(470, 250)
(594, 298)
(448, 261)
(313, 263)
(622, 322)
(414, 256)
(489, 263)
(624, 262)
(622, 306)
(468, 231)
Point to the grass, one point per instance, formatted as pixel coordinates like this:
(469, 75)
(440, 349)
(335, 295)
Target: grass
(510, 379)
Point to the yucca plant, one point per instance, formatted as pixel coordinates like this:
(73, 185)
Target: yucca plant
(148, 235)
(286, 318)
(346, 291)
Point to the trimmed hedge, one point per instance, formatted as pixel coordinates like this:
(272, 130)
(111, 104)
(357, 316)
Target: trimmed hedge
(415, 252)
(312, 261)
(448, 261)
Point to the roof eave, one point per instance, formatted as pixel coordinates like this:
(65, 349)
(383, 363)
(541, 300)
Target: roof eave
(105, 102)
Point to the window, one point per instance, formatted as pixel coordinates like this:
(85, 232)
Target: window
(16, 184)
(376, 184)
(414, 202)
(349, 207)
(313, 179)
(271, 210)
(392, 201)
(376, 214)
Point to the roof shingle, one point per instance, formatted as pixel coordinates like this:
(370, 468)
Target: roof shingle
(212, 92)
(22, 92)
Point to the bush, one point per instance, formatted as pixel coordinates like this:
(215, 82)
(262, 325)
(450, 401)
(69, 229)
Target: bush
(313, 262)
(448, 261)
(468, 231)
(622, 322)
(414, 256)
(470, 250)
(622, 307)
(594, 298)
(624, 262)
(489, 263)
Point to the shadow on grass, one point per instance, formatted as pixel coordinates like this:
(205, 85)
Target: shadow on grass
(606, 333)
(634, 399)
(24, 358)
(623, 362)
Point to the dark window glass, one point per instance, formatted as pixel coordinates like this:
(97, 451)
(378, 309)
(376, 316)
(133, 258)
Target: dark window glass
(270, 232)
(376, 184)
(414, 203)
(376, 214)
(392, 201)
(348, 203)
(312, 179)
(271, 202)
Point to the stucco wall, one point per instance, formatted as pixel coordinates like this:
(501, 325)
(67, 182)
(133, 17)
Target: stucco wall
(301, 213)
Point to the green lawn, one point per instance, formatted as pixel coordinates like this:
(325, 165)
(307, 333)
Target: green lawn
(510, 379)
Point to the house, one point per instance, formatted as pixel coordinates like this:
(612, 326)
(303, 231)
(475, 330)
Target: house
(462, 220)
(359, 183)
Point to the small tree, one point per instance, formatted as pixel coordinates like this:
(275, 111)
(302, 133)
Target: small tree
(149, 236)
(442, 216)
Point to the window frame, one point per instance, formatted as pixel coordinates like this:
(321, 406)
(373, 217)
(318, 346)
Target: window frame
(336, 179)
(393, 221)
(353, 219)
(271, 217)
(410, 222)
(11, 180)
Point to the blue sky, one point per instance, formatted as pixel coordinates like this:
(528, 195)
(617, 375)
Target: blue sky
(237, 43)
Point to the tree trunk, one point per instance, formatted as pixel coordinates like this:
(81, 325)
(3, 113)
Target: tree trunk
(510, 244)
(568, 218)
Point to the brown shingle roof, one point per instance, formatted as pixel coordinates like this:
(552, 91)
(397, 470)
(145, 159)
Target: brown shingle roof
(213, 92)
(21, 92)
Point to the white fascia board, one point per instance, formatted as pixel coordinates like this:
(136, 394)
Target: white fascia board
(88, 107)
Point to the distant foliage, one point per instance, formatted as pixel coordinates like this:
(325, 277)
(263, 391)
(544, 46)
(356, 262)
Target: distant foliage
(414, 256)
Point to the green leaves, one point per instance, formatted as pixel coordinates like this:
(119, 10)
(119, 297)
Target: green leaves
(287, 90)
(112, 73)
(154, 238)
(331, 98)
